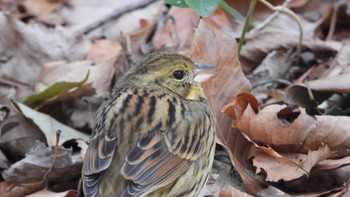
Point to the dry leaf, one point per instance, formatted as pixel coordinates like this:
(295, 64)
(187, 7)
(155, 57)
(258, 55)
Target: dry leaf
(304, 133)
(32, 168)
(335, 84)
(278, 167)
(27, 47)
(230, 191)
(100, 76)
(18, 135)
(49, 126)
(103, 49)
(177, 32)
(259, 44)
(219, 49)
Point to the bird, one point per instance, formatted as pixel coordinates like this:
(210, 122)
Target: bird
(155, 135)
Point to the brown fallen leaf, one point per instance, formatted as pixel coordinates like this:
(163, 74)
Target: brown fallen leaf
(229, 191)
(100, 75)
(287, 167)
(177, 32)
(331, 164)
(26, 47)
(18, 135)
(282, 154)
(38, 161)
(258, 45)
(219, 49)
(335, 84)
(103, 49)
(304, 133)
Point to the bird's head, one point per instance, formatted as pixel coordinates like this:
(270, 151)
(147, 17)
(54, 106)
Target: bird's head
(175, 72)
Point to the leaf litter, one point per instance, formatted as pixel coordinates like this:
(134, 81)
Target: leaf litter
(281, 117)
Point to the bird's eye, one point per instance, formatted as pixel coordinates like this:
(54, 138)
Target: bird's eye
(178, 74)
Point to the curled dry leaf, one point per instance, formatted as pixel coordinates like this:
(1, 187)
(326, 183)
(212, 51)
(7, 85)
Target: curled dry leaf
(303, 134)
(302, 145)
(4, 112)
(331, 164)
(18, 135)
(219, 49)
(288, 167)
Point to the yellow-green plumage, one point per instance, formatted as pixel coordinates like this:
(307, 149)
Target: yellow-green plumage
(154, 137)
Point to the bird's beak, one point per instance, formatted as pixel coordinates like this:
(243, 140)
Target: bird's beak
(201, 73)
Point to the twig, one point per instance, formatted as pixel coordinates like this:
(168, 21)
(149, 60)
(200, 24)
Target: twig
(291, 14)
(120, 9)
(25, 189)
(13, 83)
(269, 19)
(58, 134)
(333, 23)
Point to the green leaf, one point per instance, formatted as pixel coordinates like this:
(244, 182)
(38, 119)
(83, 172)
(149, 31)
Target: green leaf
(203, 7)
(177, 3)
(231, 10)
(52, 91)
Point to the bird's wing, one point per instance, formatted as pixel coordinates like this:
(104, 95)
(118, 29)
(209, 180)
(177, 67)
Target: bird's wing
(99, 154)
(159, 158)
(149, 165)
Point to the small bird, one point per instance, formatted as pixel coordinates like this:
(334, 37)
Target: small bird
(155, 136)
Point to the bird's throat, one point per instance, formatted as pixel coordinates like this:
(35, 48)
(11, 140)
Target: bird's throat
(195, 92)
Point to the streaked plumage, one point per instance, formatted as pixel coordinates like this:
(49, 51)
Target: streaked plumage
(155, 136)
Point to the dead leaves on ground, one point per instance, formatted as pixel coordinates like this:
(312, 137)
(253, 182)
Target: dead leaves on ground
(294, 147)
(282, 118)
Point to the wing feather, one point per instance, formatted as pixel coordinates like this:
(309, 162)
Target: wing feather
(153, 167)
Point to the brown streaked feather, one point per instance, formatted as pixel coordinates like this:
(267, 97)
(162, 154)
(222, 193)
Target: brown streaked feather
(147, 137)
(152, 163)
(99, 154)
(155, 159)
(149, 166)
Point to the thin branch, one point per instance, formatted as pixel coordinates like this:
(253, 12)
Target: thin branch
(333, 23)
(121, 8)
(58, 134)
(269, 19)
(291, 14)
